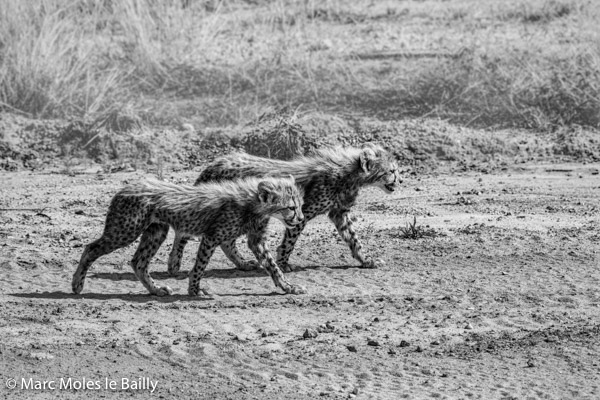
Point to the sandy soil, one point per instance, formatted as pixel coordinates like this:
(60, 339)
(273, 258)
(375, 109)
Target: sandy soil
(501, 301)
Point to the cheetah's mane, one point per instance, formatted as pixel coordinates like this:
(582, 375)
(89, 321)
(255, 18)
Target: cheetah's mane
(212, 195)
(328, 161)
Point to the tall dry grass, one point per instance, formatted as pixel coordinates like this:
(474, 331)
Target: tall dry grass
(520, 63)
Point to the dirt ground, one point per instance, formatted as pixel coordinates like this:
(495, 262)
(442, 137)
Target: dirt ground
(500, 300)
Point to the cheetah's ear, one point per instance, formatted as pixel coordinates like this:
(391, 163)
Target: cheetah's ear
(367, 156)
(265, 191)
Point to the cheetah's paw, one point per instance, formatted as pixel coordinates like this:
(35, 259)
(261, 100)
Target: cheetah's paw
(285, 267)
(196, 292)
(164, 291)
(173, 270)
(296, 289)
(373, 263)
(77, 288)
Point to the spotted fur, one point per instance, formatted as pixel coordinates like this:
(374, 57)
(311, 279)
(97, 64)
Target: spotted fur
(330, 179)
(219, 212)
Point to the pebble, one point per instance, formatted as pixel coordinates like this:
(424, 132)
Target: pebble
(310, 333)
(419, 349)
(41, 356)
(468, 326)
(327, 328)
(241, 338)
(351, 348)
(404, 343)
(372, 342)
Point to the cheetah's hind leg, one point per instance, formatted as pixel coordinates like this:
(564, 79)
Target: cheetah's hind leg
(231, 251)
(150, 242)
(174, 263)
(91, 253)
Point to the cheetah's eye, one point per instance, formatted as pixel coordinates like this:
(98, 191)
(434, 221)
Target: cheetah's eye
(291, 208)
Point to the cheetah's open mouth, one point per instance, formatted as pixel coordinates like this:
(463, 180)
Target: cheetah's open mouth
(390, 186)
(290, 224)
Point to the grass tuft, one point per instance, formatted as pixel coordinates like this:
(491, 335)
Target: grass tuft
(414, 231)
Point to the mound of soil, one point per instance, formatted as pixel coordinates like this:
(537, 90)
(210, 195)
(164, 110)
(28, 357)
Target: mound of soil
(421, 144)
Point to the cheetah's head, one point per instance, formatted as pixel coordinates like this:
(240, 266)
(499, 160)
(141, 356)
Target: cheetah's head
(380, 168)
(283, 199)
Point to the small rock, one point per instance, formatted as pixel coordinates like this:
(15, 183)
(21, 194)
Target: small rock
(373, 343)
(153, 341)
(404, 343)
(469, 326)
(240, 338)
(79, 343)
(419, 349)
(310, 333)
(187, 127)
(325, 328)
(391, 351)
(530, 364)
(435, 343)
(351, 348)
(41, 356)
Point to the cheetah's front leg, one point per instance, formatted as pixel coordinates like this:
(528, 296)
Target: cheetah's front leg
(344, 227)
(287, 245)
(205, 251)
(256, 243)
(151, 240)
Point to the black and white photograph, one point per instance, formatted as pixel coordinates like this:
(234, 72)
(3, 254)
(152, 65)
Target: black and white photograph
(300, 199)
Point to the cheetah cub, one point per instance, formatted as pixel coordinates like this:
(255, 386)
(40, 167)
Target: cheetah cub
(330, 180)
(219, 212)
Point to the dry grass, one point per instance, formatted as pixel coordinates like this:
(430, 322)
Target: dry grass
(414, 231)
(532, 64)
